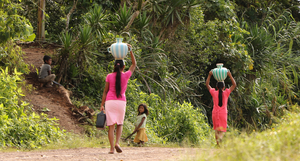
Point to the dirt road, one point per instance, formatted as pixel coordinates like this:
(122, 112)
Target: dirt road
(101, 154)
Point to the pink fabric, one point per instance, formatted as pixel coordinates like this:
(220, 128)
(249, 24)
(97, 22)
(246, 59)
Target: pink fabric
(115, 112)
(220, 121)
(219, 114)
(111, 79)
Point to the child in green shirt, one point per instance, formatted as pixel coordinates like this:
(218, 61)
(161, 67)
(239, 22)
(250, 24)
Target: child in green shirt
(140, 125)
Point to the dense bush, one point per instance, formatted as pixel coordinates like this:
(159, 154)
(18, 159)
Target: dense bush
(11, 56)
(19, 126)
(12, 25)
(272, 84)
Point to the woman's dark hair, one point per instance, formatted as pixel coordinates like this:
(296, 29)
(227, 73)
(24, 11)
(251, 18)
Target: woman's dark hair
(220, 86)
(146, 111)
(119, 64)
(46, 58)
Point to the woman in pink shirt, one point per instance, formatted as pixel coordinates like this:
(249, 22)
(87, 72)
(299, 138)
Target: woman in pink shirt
(220, 97)
(115, 100)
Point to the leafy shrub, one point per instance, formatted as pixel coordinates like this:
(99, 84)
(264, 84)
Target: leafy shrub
(12, 25)
(11, 56)
(19, 126)
(182, 121)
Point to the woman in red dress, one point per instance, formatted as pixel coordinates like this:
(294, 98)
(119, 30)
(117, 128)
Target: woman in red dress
(220, 97)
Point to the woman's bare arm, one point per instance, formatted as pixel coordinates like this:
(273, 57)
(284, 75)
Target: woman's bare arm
(208, 80)
(232, 81)
(104, 96)
(133, 65)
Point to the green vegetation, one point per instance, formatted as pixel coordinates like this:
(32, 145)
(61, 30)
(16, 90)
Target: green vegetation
(19, 126)
(12, 57)
(176, 44)
(13, 25)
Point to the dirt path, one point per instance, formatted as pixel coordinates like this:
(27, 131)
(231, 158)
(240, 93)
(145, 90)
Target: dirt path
(50, 101)
(96, 154)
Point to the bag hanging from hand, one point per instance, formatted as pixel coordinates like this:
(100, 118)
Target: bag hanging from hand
(101, 120)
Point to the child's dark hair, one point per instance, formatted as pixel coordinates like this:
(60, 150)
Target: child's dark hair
(220, 86)
(46, 58)
(119, 64)
(146, 111)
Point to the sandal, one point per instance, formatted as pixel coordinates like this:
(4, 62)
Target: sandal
(118, 149)
(111, 152)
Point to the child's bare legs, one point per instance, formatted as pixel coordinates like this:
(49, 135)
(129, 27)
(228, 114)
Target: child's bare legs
(141, 143)
(47, 80)
(111, 138)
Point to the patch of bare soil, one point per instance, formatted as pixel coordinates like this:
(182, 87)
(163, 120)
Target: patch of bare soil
(34, 53)
(51, 101)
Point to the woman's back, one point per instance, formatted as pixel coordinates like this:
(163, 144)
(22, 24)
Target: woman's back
(214, 93)
(111, 79)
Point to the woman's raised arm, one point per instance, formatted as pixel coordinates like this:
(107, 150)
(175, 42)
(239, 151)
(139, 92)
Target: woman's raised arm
(232, 87)
(133, 65)
(208, 80)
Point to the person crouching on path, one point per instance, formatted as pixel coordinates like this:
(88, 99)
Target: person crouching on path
(45, 75)
(220, 97)
(114, 100)
(140, 125)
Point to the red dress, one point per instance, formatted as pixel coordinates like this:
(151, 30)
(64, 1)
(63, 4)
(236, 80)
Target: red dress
(219, 114)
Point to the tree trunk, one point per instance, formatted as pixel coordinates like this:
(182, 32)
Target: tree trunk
(41, 21)
(134, 15)
(69, 14)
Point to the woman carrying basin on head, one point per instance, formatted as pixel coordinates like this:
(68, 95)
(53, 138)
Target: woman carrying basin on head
(220, 97)
(114, 100)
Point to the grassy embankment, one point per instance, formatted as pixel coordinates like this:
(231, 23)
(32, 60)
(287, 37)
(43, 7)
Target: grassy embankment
(281, 142)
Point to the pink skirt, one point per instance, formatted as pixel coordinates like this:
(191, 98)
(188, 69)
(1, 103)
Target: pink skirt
(219, 121)
(115, 112)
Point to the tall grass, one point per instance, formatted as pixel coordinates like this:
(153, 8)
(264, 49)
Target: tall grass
(281, 142)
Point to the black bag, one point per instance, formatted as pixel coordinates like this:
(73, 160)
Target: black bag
(101, 120)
